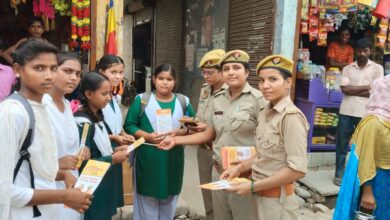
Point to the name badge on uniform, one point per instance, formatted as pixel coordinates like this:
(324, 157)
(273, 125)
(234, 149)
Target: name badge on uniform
(218, 115)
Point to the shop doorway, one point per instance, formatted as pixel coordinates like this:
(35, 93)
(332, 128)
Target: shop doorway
(142, 55)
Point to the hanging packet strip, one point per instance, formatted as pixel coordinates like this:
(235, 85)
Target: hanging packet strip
(164, 121)
(91, 176)
(305, 10)
(224, 184)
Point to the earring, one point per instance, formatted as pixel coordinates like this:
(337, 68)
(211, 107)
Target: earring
(17, 75)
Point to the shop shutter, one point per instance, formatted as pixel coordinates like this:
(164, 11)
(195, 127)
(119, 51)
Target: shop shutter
(168, 33)
(144, 15)
(251, 29)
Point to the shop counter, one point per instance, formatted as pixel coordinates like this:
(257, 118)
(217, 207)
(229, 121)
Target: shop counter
(323, 119)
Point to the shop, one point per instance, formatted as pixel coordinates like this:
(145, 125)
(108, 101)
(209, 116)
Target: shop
(317, 91)
(156, 27)
(60, 29)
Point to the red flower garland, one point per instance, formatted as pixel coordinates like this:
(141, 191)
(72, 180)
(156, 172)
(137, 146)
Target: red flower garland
(80, 24)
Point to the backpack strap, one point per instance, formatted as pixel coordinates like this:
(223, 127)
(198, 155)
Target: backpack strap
(144, 101)
(146, 96)
(24, 154)
(183, 102)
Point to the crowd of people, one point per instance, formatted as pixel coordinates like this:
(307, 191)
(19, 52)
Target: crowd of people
(41, 138)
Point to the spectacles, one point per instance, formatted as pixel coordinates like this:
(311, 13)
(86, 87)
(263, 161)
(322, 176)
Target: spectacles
(207, 73)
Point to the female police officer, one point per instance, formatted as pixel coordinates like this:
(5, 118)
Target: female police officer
(281, 142)
(233, 121)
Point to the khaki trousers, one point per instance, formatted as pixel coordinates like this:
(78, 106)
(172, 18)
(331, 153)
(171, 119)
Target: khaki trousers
(229, 206)
(266, 208)
(205, 166)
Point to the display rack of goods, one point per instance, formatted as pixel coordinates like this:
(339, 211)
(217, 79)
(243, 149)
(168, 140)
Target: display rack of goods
(326, 119)
(323, 119)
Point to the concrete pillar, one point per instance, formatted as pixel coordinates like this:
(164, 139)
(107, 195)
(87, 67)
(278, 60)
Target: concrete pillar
(285, 27)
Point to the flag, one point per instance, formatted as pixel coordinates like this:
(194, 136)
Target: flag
(111, 46)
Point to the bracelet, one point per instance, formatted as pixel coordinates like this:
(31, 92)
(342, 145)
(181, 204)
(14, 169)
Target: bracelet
(252, 185)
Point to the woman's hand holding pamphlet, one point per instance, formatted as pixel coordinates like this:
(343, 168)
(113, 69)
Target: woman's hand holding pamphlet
(224, 184)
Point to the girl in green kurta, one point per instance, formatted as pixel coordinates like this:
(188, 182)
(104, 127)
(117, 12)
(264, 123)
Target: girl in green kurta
(95, 95)
(158, 173)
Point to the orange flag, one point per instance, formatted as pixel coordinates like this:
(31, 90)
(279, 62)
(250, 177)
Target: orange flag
(111, 46)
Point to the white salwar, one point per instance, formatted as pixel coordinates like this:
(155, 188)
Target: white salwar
(67, 134)
(113, 117)
(13, 129)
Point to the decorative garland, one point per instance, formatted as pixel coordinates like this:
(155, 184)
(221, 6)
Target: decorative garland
(80, 24)
(62, 7)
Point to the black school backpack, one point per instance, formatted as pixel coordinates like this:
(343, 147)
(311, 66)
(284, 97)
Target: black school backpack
(24, 154)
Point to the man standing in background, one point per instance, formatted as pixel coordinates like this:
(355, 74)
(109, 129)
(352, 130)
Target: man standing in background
(355, 85)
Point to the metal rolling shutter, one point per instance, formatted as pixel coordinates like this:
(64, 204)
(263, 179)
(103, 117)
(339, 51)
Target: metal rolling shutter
(251, 29)
(168, 33)
(143, 15)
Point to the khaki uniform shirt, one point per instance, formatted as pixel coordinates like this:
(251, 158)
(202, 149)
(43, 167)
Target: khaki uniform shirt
(205, 101)
(281, 140)
(234, 121)
(353, 75)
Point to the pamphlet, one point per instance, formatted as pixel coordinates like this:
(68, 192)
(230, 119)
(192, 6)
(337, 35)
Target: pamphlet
(164, 121)
(82, 145)
(232, 153)
(223, 184)
(91, 176)
(136, 144)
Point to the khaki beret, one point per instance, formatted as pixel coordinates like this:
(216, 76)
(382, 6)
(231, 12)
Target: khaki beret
(211, 58)
(234, 56)
(276, 62)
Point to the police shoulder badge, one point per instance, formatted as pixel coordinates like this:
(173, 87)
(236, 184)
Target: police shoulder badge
(205, 94)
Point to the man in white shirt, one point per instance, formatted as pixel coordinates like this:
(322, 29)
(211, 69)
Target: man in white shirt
(355, 84)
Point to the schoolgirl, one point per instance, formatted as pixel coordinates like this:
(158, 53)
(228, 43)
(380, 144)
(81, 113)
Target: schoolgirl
(95, 94)
(64, 124)
(35, 64)
(113, 68)
(158, 174)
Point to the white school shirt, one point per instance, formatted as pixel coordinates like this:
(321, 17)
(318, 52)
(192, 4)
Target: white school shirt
(13, 130)
(113, 118)
(67, 136)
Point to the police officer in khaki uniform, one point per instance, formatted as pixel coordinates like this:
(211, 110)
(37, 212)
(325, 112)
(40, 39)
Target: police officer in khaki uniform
(281, 144)
(233, 122)
(213, 87)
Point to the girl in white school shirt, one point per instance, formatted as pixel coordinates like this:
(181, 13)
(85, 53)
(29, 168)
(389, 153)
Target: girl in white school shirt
(35, 63)
(113, 67)
(63, 122)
